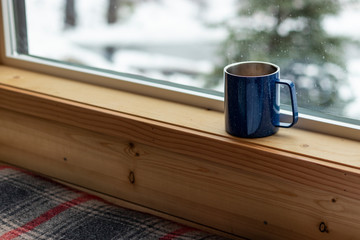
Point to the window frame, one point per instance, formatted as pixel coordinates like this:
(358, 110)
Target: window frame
(142, 87)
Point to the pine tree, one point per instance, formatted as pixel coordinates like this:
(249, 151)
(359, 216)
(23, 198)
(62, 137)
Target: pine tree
(291, 35)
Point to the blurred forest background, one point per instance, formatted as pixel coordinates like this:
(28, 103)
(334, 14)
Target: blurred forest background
(191, 41)
(291, 34)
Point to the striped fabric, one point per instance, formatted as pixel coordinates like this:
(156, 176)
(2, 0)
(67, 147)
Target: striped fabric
(32, 207)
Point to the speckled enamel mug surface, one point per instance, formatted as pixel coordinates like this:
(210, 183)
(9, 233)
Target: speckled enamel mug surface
(252, 99)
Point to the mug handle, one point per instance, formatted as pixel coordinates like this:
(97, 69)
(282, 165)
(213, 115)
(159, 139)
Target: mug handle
(294, 106)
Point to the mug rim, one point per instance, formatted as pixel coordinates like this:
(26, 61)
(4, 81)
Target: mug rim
(247, 62)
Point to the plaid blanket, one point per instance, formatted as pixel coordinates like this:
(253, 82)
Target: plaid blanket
(32, 207)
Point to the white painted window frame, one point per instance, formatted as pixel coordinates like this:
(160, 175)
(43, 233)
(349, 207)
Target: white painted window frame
(143, 87)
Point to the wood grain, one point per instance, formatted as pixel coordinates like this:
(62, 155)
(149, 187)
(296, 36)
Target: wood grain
(243, 192)
(281, 187)
(310, 144)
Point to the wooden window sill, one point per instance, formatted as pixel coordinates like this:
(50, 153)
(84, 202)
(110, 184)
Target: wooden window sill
(300, 161)
(319, 147)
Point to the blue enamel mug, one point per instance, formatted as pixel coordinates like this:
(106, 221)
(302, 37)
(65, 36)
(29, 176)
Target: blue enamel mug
(252, 99)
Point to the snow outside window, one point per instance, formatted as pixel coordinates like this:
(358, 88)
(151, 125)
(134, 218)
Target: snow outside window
(188, 42)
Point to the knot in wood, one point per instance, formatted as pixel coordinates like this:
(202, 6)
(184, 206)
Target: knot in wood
(323, 227)
(131, 177)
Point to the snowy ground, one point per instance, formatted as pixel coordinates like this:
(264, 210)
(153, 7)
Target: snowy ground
(162, 39)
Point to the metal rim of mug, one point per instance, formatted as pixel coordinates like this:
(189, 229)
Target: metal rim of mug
(247, 62)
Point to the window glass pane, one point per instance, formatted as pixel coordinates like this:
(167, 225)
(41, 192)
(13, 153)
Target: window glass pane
(316, 43)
